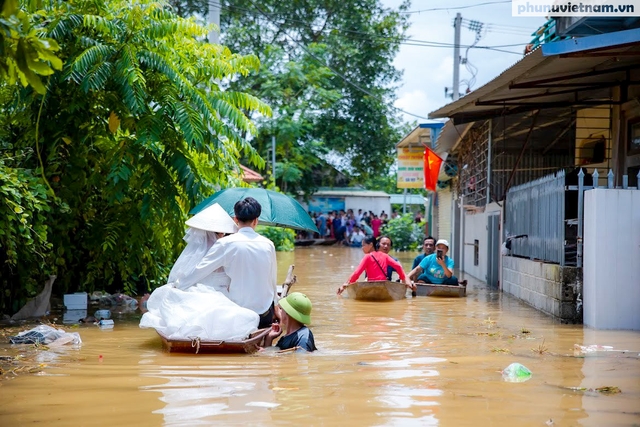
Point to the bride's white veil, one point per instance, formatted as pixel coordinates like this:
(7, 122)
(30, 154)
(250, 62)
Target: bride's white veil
(200, 236)
(198, 244)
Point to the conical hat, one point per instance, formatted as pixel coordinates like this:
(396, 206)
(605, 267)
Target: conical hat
(213, 218)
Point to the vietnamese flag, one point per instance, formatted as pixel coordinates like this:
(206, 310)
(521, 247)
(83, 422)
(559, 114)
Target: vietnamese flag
(432, 163)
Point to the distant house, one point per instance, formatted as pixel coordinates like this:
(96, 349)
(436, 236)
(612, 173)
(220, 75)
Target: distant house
(327, 199)
(439, 206)
(249, 175)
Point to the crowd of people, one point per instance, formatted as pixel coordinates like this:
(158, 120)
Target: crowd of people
(350, 228)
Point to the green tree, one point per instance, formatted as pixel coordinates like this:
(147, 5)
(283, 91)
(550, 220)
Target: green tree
(407, 235)
(329, 78)
(131, 133)
(24, 54)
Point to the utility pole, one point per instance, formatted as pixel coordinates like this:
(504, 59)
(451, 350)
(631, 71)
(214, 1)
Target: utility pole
(457, 25)
(213, 17)
(273, 159)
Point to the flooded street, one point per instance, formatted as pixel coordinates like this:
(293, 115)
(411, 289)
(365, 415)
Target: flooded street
(416, 362)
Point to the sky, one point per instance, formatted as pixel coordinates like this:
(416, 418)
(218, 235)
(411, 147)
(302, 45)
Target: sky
(428, 70)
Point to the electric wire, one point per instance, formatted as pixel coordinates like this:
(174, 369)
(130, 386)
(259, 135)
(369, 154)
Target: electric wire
(342, 76)
(408, 40)
(455, 7)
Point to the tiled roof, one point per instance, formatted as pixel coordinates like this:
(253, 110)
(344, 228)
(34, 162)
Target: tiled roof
(249, 175)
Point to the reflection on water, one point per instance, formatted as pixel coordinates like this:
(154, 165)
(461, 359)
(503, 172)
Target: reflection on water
(199, 396)
(418, 362)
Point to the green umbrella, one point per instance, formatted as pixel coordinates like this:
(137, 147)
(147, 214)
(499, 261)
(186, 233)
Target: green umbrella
(278, 209)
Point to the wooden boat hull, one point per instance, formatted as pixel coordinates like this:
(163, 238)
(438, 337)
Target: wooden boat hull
(377, 291)
(250, 345)
(326, 242)
(308, 242)
(431, 290)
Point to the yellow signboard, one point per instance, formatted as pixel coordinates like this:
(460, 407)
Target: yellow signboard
(411, 167)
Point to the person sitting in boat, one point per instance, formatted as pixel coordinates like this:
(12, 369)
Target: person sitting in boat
(368, 231)
(205, 228)
(436, 268)
(375, 265)
(384, 245)
(356, 238)
(249, 260)
(295, 314)
(428, 246)
(196, 306)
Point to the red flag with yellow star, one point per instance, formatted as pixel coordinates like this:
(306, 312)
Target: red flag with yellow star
(432, 163)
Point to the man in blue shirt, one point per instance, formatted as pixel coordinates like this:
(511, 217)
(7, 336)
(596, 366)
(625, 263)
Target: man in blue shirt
(429, 247)
(436, 268)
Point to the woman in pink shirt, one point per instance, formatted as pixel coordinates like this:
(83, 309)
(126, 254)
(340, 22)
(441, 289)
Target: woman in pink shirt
(375, 265)
(376, 223)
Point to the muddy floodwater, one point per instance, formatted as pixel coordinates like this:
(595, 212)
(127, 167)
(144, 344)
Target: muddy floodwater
(416, 362)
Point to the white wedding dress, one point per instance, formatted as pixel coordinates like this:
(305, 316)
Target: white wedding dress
(182, 309)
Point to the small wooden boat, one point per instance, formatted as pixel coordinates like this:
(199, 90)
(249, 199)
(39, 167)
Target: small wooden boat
(304, 242)
(197, 346)
(249, 345)
(377, 291)
(431, 290)
(326, 242)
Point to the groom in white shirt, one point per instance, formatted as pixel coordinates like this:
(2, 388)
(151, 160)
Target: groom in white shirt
(249, 259)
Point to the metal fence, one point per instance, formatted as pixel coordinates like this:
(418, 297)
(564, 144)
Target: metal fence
(581, 187)
(537, 209)
(544, 210)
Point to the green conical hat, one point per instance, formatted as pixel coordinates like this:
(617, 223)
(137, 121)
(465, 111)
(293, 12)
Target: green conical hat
(298, 306)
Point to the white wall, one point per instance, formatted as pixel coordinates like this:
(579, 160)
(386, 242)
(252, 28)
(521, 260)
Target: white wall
(374, 204)
(445, 199)
(475, 228)
(611, 264)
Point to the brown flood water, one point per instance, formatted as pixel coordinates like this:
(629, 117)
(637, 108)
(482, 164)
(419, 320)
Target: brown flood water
(416, 362)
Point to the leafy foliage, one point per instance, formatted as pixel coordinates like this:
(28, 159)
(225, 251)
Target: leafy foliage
(24, 54)
(131, 133)
(407, 235)
(318, 56)
(282, 238)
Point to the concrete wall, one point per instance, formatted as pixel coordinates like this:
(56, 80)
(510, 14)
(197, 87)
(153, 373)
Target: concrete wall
(374, 204)
(550, 288)
(612, 259)
(475, 228)
(445, 199)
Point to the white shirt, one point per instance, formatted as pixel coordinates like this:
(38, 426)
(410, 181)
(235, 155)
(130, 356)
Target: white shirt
(249, 259)
(357, 237)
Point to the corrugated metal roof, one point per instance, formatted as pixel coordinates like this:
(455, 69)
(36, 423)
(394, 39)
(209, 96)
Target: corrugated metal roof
(349, 193)
(529, 84)
(417, 136)
(412, 199)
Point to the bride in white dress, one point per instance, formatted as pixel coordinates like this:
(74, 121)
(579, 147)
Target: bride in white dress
(183, 309)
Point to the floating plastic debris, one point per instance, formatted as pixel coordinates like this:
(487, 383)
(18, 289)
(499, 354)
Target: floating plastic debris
(263, 404)
(586, 349)
(105, 324)
(516, 373)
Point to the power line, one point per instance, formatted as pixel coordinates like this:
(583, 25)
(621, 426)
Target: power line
(408, 41)
(342, 76)
(454, 7)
